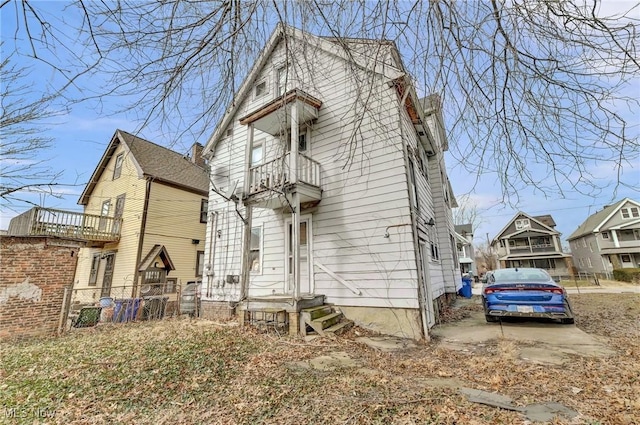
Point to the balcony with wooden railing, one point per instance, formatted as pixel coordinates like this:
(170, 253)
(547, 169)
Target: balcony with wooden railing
(40, 221)
(268, 182)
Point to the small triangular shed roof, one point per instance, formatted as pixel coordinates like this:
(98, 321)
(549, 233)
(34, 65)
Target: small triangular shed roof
(594, 221)
(152, 162)
(155, 252)
(394, 72)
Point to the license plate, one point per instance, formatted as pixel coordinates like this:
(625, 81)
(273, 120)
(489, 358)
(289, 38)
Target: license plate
(525, 309)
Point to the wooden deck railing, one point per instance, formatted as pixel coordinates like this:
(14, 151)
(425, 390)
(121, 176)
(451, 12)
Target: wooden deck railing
(275, 173)
(40, 221)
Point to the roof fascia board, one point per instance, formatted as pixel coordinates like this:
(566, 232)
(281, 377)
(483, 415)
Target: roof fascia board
(164, 182)
(613, 212)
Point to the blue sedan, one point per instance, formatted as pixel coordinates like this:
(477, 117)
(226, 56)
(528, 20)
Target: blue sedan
(525, 292)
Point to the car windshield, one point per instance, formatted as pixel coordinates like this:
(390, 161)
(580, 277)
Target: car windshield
(521, 275)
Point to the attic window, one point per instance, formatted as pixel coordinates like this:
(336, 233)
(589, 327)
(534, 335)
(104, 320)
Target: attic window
(522, 224)
(260, 89)
(117, 170)
(605, 235)
(630, 212)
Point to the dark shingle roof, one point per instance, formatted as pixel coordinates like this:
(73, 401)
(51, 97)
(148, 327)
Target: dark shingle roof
(156, 162)
(166, 165)
(546, 219)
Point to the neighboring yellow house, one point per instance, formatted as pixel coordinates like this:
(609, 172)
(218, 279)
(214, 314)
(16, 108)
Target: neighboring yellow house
(161, 197)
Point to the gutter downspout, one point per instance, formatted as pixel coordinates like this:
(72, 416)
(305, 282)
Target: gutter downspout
(143, 228)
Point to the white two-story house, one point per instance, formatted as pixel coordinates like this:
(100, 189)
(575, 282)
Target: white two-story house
(329, 187)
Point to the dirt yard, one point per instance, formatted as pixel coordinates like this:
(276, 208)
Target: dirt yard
(190, 371)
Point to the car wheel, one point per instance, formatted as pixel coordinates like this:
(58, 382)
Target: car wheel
(491, 319)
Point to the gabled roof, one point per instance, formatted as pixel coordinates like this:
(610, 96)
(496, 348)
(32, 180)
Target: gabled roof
(152, 162)
(332, 46)
(155, 252)
(547, 218)
(595, 221)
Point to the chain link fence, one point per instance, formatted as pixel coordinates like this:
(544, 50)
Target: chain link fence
(86, 307)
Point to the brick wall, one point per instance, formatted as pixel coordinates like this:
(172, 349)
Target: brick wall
(33, 274)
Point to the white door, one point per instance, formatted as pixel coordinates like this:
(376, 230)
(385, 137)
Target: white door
(305, 255)
(427, 295)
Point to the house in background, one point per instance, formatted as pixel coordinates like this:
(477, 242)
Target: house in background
(144, 221)
(608, 239)
(329, 193)
(531, 241)
(464, 244)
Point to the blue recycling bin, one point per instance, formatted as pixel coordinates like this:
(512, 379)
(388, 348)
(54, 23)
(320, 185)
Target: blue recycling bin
(465, 291)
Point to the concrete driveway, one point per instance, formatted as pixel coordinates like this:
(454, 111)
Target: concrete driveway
(542, 342)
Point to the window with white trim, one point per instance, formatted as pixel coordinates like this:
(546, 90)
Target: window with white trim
(522, 223)
(255, 249)
(260, 89)
(630, 212)
(584, 243)
(257, 153)
(95, 264)
(413, 187)
(589, 262)
(625, 258)
(204, 210)
(117, 169)
(605, 235)
(199, 263)
(281, 80)
(591, 246)
(435, 255)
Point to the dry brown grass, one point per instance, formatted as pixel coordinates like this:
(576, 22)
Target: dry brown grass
(181, 371)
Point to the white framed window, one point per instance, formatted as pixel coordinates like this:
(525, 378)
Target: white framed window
(260, 89)
(584, 243)
(605, 235)
(589, 263)
(413, 187)
(117, 169)
(625, 258)
(591, 246)
(93, 274)
(199, 263)
(581, 262)
(255, 250)
(282, 77)
(630, 212)
(522, 223)
(257, 153)
(435, 254)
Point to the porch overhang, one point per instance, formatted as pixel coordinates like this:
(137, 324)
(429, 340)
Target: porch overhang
(275, 117)
(628, 250)
(533, 256)
(155, 252)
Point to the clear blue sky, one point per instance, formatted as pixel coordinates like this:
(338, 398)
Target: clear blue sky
(81, 136)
